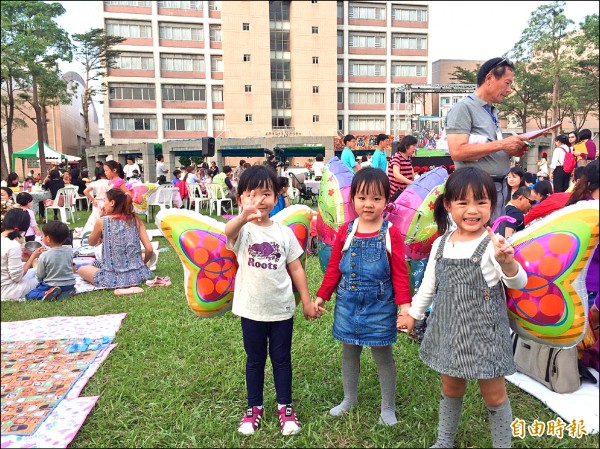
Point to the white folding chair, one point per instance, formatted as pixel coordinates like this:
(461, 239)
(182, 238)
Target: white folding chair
(64, 202)
(196, 197)
(163, 199)
(217, 197)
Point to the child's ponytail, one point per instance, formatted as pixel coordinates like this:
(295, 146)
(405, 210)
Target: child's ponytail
(440, 215)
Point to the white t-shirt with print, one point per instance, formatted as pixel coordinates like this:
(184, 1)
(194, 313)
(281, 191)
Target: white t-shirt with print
(263, 287)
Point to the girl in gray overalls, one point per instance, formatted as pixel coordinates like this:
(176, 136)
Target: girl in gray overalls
(468, 335)
(369, 285)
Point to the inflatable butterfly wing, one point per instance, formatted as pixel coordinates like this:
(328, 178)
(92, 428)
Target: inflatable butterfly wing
(209, 267)
(555, 252)
(140, 194)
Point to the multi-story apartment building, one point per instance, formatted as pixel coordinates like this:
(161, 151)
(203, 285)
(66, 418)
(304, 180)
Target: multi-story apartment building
(189, 69)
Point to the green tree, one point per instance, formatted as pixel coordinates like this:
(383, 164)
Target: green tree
(34, 43)
(464, 76)
(587, 62)
(10, 102)
(545, 42)
(185, 160)
(94, 50)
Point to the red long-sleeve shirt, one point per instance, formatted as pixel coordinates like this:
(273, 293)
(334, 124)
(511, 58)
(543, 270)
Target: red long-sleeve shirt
(398, 269)
(554, 202)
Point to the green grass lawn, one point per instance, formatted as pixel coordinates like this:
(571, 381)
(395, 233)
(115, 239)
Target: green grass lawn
(177, 380)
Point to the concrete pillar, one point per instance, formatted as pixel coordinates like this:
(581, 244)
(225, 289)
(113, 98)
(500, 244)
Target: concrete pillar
(149, 162)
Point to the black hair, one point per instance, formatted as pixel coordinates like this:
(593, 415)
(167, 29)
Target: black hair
(543, 188)
(586, 184)
(370, 180)
(255, 177)
(54, 174)
(521, 191)
(160, 157)
(24, 198)
(495, 65)
(176, 173)
(562, 139)
(457, 186)
(575, 134)
(577, 173)
(130, 158)
(115, 166)
(8, 191)
(348, 138)
(585, 134)
(283, 181)
(17, 221)
(381, 138)
(12, 180)
(520, 173)
(58, 231)
(319, 157)
(530, 178)
(406, 142)
(226, 169)
(364, 158)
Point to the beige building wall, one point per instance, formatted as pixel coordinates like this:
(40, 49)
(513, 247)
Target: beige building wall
(304, 44)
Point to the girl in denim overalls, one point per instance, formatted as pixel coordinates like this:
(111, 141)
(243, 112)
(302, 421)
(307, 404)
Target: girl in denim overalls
(468, 335)
(368, 272)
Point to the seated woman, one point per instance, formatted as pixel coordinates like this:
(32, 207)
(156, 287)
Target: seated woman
(119, 231)
(17, 278)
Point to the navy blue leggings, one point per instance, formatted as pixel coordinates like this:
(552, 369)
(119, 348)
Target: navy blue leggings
(276, 336)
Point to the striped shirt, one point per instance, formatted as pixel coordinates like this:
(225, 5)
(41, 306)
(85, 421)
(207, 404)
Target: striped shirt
(406, 170)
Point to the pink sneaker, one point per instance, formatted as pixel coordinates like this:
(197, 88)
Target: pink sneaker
(288, 422)
(251, 420)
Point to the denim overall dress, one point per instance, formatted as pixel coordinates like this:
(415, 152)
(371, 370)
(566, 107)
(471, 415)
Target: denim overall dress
(467, 332)
(365, 310)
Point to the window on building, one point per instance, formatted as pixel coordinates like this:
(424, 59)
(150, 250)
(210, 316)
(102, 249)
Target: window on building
(409, 70)
(398, 97)
(280, 40)
(219, 123)
(280, 70)
(247, 57)
(356, 123)
(315, 30)
(315, 89)
(366, 41)
(217, 94)
(340, 67)
(340, 121)
(409, 15)
(366, 69)
(196, 5)
(315, 118)
(216, 64)
(409, 42)
(214, 6)
(340, 95)
(246, 26)
(356, 96)
(315, 59)
(366, 12)
(340, 10)
(184, 123)
(215, 33)
(281, 98)
(248, 117)
(134, 62)
(182, 63)
(248, 88)
(181, 33)
(279, 11)
(120, 122)
(127, 3)
(128, 29)
(144, 92)
(183, 92)
(340, 39)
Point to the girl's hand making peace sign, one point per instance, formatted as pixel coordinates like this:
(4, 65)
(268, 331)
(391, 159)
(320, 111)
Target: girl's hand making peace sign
(504, 253)
(250, 203)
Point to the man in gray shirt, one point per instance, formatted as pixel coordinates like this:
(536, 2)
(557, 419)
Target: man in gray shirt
(474, 133)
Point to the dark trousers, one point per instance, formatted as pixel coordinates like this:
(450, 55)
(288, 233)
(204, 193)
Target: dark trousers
(276, 338)
(561, 179)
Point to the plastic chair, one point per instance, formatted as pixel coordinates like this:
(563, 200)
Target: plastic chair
(196, 197)
(217, 197)
(64, 202)
(163, 199)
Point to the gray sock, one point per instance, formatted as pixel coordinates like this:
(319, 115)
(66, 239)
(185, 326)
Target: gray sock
(501, 418)
(350, 372)
(386, 369)
(450, 413)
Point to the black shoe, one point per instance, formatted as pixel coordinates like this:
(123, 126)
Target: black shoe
(52, 293)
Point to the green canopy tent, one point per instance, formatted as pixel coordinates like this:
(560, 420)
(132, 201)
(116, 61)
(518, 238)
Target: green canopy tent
(33, 153)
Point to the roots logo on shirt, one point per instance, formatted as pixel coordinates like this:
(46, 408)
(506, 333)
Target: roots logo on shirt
(264, 255)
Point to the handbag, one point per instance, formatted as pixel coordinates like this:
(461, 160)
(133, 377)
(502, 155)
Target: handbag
(555, 368)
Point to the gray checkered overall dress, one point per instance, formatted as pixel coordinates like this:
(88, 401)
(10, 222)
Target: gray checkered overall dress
(467, 333)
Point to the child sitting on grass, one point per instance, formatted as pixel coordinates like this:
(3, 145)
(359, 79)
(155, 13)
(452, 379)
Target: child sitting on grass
(25, 200)
(55, 265)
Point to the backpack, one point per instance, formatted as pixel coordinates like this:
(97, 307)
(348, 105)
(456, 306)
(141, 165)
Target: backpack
(570, 161)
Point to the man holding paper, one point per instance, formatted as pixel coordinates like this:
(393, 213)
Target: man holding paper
(474, 133)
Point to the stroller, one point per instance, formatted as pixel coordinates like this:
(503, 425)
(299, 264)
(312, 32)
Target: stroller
(304, 193)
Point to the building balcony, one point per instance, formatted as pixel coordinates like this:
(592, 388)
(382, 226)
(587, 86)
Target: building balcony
(134, 134)
(367, 106)
(132, 103)
(141, 41)
(366, 51)
(408, 52)
(181, 12)
(367, 22)
(409, 79)
(216, 44)
(178, 74)
(180, 44)
(218, 105)
(366, 79)
(184, 104)
(214, 14)
(131, 72)
(128, 9)
(409, 24)
(184, 134)
(216, 75)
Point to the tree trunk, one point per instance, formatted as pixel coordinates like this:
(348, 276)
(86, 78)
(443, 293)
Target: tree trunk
(40, 130)
(44, 124)
(555, 98)
(86, 117)
(10, 118)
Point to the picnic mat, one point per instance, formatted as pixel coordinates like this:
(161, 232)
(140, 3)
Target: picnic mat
(45, 365)
(580, 405)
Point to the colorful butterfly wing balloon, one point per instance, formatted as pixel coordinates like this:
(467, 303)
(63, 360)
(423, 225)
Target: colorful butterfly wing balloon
(555, 252)
(209, 267)
(140, 194)
(335, 206)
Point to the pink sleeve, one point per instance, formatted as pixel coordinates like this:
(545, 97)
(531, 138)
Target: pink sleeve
(398, 268)
(333, 274)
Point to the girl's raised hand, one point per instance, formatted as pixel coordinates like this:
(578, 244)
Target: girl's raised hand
(503, 251)
(250, 204)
